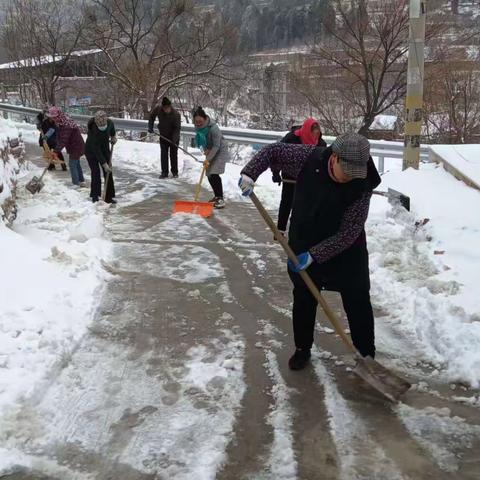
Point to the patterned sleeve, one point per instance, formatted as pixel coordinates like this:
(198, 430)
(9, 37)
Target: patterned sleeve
(288, 158)
(353, 223)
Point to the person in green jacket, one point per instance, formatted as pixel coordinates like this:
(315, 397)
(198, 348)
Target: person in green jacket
(100, 135)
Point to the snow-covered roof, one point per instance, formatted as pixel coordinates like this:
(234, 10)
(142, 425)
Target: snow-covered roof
(45, 59)
(384, 122)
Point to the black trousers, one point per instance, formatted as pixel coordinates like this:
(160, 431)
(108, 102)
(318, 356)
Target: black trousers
(215, 181)
(164, 149)
(357, 306)
(288, 192)
(96, 183)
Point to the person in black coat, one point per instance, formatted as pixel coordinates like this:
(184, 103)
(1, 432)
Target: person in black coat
(327, 231)
(169, 124)
(48, 133)
(100, 134)
(308, 134)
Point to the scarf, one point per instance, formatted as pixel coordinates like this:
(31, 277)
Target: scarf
(305, 132)
(201, 137)
(63, 120)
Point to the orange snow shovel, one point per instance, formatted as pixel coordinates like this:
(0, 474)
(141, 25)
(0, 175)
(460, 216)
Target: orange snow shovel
(204, 209)
(372, 372)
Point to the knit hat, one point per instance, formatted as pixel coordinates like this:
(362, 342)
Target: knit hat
(166, 102)
(54, 112)
(101, 118)
(353, 151)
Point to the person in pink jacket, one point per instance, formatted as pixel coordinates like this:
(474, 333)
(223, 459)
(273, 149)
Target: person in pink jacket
(70, 138)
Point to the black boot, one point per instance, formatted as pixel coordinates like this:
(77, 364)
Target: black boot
(299, 359)
(64, 167)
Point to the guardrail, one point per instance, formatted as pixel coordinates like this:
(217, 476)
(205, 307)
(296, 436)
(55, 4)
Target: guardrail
(379, 148)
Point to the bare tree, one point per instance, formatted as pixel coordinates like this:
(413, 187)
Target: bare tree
(360, 63)
(40, 36)
(152, 50)
(452, 102)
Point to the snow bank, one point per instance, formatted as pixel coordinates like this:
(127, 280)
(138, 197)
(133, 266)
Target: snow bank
(425, 275)
(11, 153)
(50, 282)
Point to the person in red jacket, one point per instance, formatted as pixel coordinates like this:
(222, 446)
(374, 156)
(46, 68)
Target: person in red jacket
(70, 138)
(308, 134)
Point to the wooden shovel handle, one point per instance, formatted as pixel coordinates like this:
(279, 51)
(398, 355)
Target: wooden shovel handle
(304, 275)
(199, 186)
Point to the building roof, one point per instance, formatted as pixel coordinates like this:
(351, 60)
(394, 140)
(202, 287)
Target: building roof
(45, 59)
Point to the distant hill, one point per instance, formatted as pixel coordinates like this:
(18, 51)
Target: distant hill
(267, 24)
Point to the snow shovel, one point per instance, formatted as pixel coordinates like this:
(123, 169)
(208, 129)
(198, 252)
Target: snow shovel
(204, 209)
(377, 376)
(36, 184)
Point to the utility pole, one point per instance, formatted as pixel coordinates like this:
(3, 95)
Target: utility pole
(415, 75)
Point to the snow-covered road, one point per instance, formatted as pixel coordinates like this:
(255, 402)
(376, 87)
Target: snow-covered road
(183, 372)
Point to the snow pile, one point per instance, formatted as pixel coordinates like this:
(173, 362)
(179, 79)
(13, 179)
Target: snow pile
(50, 283)
(384, 122)
(11, 153)
(87, 228)
(424, 268)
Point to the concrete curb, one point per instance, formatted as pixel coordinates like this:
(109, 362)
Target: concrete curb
(435, 157)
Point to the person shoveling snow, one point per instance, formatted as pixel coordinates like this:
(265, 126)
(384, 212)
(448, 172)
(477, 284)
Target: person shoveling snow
(333, 191)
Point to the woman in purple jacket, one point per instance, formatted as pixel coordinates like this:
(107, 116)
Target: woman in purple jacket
(70, 138)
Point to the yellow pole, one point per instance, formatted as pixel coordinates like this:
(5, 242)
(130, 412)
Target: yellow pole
(415, 75)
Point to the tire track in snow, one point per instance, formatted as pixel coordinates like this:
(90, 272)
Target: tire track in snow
(360, 457)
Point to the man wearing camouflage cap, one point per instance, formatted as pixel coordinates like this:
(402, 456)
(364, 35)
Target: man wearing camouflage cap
(332, 198)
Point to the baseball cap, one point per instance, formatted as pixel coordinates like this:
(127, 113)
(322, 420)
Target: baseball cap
(353, 150)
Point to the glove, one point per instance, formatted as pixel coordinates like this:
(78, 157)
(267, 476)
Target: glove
(304, 261)
(106, 167)
(277, 178)
(246, 185)
(113, 140)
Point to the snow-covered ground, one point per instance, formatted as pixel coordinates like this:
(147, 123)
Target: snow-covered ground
(50, 281)
(145, 157)
(423, 287)
(424, 277)
(425, 271)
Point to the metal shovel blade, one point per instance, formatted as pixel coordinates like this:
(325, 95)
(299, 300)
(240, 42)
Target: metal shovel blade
(34, 185)
(381, 379)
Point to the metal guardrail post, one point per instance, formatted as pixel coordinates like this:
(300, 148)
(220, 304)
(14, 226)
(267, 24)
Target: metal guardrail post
(381, 164)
